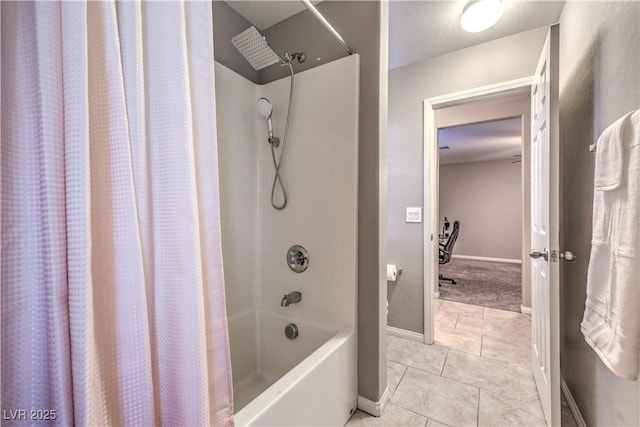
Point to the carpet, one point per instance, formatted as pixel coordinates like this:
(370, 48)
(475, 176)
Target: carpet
(484, 283)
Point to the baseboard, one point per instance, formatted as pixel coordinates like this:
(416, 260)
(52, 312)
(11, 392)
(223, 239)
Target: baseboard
(403, 333)
(525, 310)
(572, 404)
(481, 258)
(374, 408)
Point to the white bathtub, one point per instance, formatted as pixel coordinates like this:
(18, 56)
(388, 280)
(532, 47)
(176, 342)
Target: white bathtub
(307, 381)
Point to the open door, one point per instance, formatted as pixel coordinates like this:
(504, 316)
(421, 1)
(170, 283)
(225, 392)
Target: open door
(545, 295)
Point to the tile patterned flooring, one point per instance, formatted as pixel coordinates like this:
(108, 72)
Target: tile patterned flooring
(476, 374)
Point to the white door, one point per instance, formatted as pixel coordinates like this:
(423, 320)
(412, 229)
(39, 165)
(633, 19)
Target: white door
(544, 230)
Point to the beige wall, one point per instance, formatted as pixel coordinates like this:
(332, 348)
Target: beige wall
(501, 60)
(486, 198)
(599, 82)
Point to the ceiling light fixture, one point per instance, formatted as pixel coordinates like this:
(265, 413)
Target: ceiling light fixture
(480, 15)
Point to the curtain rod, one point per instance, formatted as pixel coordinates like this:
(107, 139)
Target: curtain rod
(327, 25)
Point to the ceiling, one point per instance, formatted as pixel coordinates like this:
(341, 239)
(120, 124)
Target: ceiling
(263, 14)
(421, 29)
(481, 142)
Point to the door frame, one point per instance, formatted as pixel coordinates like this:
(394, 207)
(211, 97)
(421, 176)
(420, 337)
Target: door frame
(430, 184)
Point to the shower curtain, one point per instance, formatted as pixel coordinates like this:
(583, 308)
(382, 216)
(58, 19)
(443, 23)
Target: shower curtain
(113, 309)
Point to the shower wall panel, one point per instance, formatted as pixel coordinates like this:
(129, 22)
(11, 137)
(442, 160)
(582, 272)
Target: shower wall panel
(237, 156)
(320, 175)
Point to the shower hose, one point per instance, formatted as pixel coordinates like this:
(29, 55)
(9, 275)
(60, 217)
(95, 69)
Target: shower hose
(277, 164)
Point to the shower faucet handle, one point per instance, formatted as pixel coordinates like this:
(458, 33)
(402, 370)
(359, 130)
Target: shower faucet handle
(275, 141)
(296, 258)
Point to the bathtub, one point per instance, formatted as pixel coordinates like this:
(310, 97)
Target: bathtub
(306, 381)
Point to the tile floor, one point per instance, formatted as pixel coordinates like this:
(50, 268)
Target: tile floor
(476, 374)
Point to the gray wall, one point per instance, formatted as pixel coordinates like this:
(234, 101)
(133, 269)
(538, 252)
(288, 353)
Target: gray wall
(501, 60)
(313, 39)
(226, 24)
(599, 82)
(486, 198)
(353, 20)
(364, 25)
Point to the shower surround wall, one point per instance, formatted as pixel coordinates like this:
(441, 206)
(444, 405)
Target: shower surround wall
(365, 25)
(320, 174)
(238, 157)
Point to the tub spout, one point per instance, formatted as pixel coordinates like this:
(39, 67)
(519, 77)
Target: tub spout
(292, 298)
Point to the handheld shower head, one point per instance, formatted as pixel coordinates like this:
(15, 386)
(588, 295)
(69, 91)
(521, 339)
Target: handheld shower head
(266, 109)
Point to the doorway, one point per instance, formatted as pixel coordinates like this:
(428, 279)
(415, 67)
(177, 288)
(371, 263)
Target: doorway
(507, 100)
(544, 146)
(481, 204)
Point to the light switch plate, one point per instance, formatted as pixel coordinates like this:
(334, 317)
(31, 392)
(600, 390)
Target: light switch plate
(414, 215)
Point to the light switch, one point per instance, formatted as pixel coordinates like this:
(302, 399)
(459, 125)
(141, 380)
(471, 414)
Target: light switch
(414, 215)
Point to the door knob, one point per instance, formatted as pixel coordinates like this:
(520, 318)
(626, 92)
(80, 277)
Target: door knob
(567, 255)
(535, 254)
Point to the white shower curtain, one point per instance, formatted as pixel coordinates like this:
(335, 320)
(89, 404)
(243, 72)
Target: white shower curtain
(113, 309)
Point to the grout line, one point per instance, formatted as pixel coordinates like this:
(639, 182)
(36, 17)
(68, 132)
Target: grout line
(444, 424)
(502, 364)
(501, 396)
(445, 361)
(455, 325)
(459, 381)
(414, 412)
(425, 371)
(478, 409)
(438, 345)
(399, 405)
(406, 368)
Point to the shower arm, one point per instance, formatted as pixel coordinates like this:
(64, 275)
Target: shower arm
(327, 25)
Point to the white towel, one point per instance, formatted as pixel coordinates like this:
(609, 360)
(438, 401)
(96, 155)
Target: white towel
(609, 157)
(611, 323)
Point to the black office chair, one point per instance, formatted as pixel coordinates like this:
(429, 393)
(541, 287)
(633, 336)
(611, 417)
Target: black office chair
(445, 251)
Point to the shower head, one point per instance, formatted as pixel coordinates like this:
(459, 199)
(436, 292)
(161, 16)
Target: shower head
(255, 49)
(265, 109)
